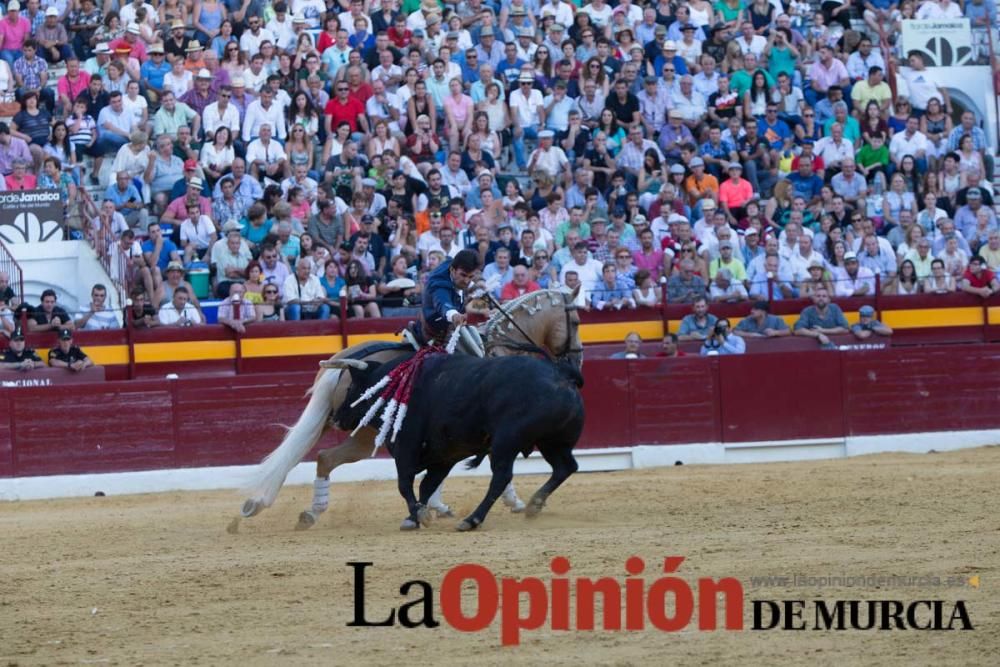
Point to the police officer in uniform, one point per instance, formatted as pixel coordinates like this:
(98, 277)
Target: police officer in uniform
(444, 302)
(17, 357)
(68, 356)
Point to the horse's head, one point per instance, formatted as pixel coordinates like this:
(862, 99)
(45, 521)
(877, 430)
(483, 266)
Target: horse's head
(546, 318)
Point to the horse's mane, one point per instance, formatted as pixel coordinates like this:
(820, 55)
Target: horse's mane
(532, 302)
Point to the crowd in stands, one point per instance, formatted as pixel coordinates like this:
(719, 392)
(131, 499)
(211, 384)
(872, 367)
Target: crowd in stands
(648, 152)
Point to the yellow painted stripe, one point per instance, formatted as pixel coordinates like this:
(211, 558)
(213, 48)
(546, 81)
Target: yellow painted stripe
(615, 332)
(196, 350)
(934, 317)
(367, 338)
(290, 347)
(107, 355)
(993, 313)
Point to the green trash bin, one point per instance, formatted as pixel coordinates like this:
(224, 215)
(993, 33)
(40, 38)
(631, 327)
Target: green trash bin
(198, 277)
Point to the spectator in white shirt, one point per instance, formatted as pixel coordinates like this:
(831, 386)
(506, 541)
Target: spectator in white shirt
(910, 141)
(179, 312)
(264, 111)
(305, 298)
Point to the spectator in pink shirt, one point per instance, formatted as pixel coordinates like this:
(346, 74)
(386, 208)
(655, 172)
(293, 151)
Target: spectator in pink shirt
(825, 72)
(71, 84)
(14, 29)
(650, 258)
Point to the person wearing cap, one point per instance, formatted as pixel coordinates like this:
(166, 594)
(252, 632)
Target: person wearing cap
(734, 193)
(867, 326)
(14, 31)
(815, 277)
(67, 355)
(673, 135)
(761, 323)
(489, 48)
(654, 101)
(17, 357)
(549, 159)
(177, 42)
(136, 46)
(193, 191)
(52, 38)
(852, 279)
(967, 215)
(201, 95)
(527, 108)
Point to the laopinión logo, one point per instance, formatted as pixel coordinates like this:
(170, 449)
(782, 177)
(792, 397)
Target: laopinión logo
(667, 604)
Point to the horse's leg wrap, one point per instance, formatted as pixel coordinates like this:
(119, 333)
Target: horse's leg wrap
(321, 495)
(511, 500)
(437, 504)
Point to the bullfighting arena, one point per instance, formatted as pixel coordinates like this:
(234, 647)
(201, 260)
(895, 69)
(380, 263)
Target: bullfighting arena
(156, 579)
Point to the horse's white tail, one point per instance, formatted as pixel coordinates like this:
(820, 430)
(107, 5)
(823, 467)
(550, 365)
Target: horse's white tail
(267, 479)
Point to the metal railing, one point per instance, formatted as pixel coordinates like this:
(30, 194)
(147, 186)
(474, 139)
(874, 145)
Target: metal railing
(13, 270)
(115, 264)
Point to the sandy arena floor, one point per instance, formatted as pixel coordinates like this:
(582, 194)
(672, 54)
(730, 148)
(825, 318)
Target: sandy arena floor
(156, 579)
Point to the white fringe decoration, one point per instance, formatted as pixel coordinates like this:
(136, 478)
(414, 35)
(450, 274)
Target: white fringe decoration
(453, 341)
(374, 389)
(372, 411)
(398, 422)
(383, 432)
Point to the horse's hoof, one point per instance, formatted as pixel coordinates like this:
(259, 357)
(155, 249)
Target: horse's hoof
(409, 524)
(534, 507)
(306, 521)
(234, 526)
(424, 516)
(442, 511)
(251, 508)
(467, 524)
(517, 507)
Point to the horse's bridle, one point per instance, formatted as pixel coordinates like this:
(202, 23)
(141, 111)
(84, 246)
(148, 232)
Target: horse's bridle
(531, 345)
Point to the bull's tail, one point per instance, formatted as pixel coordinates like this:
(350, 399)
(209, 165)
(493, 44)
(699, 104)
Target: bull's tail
(268, 477)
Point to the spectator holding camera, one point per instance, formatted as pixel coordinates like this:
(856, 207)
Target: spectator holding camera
(722, 341)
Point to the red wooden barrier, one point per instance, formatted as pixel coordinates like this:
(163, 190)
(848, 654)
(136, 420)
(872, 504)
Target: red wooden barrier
(152, 424)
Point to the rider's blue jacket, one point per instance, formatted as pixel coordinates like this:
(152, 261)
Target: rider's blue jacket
(440, 299)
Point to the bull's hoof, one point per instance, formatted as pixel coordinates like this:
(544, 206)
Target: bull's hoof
(306, 521)
(234, 526)
(409, 524)
(534, 507)
(424, 515)
(468, 524)
(251, 508)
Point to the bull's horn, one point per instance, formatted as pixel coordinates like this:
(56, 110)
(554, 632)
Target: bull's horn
(343, 363)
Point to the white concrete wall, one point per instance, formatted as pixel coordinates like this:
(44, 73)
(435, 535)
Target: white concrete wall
(71, 268)
(591, 460)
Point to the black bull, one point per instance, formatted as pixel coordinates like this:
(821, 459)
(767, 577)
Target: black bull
(465, 406)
